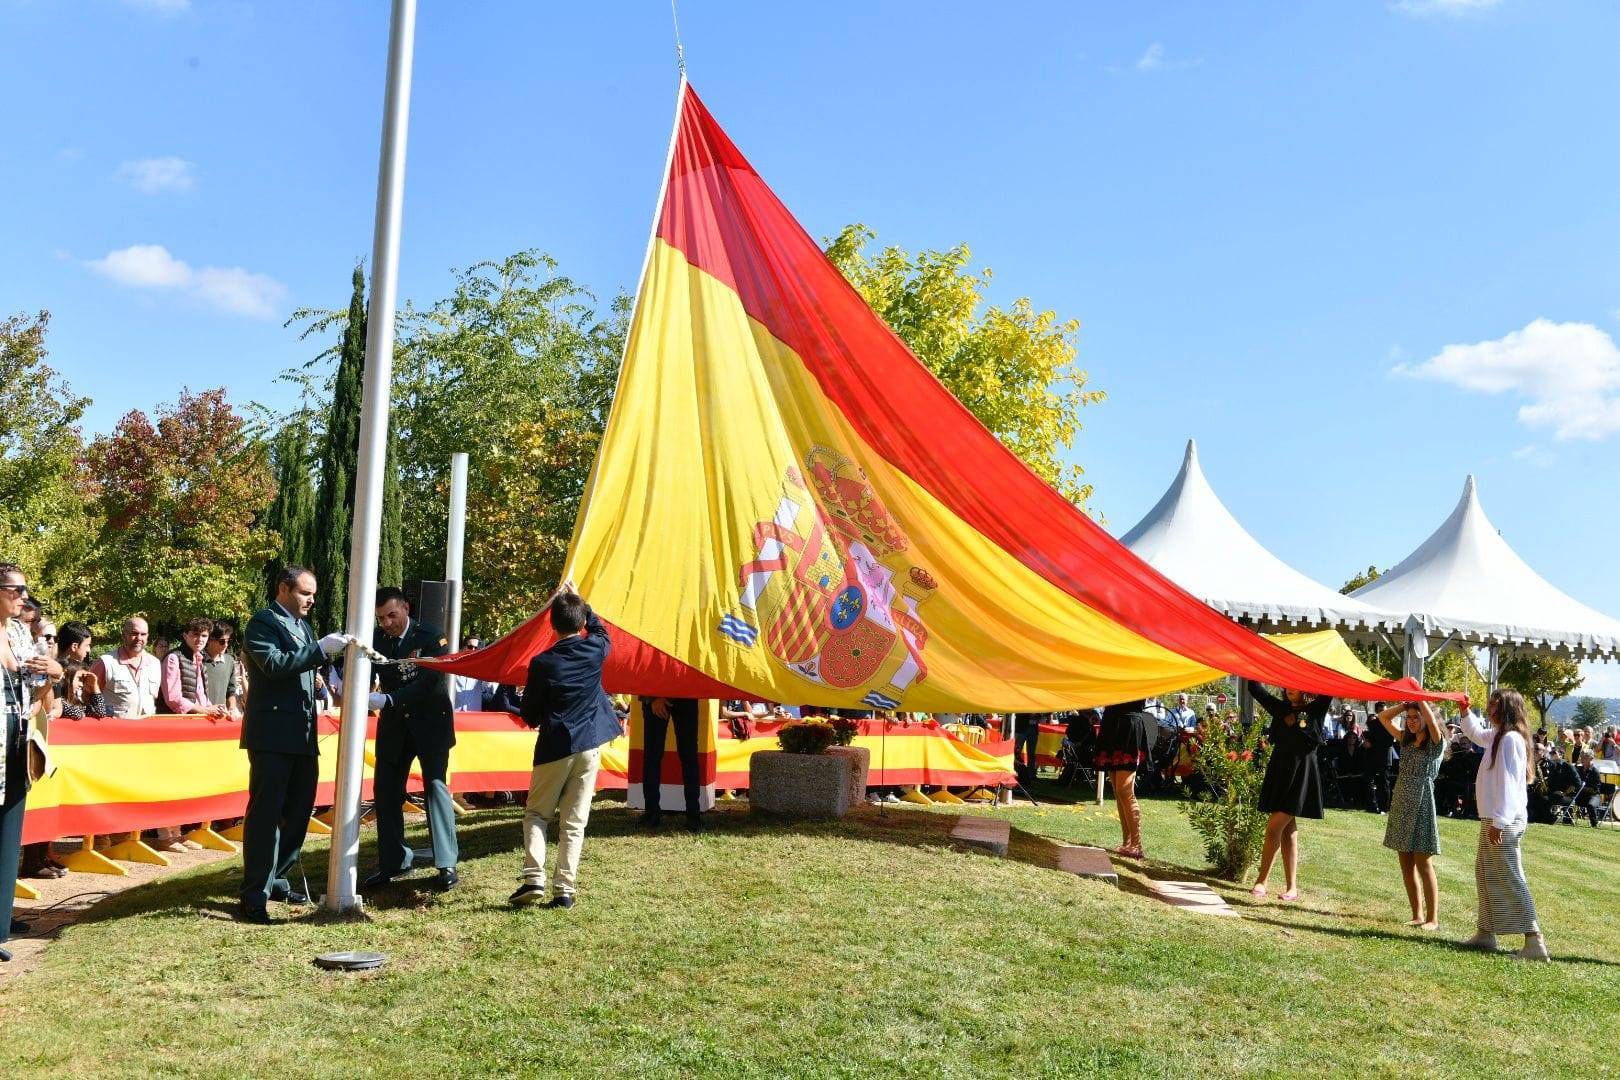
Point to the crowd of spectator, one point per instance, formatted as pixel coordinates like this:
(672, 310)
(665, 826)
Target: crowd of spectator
(197, 672)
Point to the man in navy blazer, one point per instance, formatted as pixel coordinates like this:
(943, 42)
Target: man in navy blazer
(564, 699)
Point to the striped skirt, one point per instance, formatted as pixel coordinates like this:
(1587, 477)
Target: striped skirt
(1505, 906)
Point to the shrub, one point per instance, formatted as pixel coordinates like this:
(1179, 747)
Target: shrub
(806, 736)
(845, 728)
(1227, 816)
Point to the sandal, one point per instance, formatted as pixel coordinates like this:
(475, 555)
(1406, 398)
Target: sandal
(1258, 891)
(1290, 896)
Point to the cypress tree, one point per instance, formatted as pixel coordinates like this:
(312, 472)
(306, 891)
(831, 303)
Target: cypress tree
(339, 453)
(292, 515)
(391, 553)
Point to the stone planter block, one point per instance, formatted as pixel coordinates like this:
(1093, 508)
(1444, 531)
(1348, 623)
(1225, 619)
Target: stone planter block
(858, 775)
(800, 785)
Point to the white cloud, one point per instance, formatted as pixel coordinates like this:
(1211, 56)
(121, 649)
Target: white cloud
(154, 175)
(143, 266)
(1449, 8)
(1568, 375)
(159, 7)
(1538, 456)
(1155, 58)
(238, 291)
(229, 289)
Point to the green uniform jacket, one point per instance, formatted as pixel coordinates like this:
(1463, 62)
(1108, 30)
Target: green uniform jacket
(419, 698)
(281, 654)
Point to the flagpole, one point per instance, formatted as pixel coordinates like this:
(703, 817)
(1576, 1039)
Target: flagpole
(342, 893)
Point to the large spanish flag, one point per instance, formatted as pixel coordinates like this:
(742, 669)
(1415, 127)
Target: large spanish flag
(787, 505)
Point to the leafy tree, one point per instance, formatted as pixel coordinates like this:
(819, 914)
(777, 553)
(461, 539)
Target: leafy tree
(41, 509)
(1591, 712)
(517, 369)
(1012, 367)
(179, 501)
(1541, 678)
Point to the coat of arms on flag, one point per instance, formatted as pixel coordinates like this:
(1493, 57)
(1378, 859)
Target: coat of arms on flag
(830, 589)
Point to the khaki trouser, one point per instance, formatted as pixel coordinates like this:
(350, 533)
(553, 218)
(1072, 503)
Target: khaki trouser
(561, 788)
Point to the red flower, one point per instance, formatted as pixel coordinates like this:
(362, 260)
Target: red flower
(1248, 755)
(1231, 755)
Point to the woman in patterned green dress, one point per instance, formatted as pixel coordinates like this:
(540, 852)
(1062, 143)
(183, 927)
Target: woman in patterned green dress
(1412, 832)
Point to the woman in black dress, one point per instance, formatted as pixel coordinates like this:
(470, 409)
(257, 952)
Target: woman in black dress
(1292, 788)
(1124, 745)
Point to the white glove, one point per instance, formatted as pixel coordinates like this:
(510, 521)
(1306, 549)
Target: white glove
(332, 644)
(377, 702)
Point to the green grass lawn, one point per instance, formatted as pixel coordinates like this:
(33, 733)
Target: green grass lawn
(864, 948)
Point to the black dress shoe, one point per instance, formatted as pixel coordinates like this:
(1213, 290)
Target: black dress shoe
(379, 880)
(255, 914)
(295, 897)
(5, 956)
(527, 895)
(447, 879)
(694, 824)
(562, 900)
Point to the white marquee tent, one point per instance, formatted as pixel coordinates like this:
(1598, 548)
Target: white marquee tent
(1465, 583)
(1193, 539)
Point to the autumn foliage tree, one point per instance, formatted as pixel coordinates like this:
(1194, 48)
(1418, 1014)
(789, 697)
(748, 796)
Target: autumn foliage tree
(1013, 367)
(179, 498)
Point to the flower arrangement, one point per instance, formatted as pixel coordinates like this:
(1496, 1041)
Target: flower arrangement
(811, 736)
(1226, 817)
(845, 728)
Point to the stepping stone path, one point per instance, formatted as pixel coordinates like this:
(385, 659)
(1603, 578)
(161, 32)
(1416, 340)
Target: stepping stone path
(991, 834)
(1087, 862)
(1193, 896)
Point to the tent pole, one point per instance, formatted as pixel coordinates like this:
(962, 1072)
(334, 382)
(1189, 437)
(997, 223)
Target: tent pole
(1417, 647)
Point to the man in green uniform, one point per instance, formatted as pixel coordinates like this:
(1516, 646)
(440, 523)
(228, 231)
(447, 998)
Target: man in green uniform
(278, 732)
(417, 722)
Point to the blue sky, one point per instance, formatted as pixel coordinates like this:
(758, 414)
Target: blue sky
(1357, 248)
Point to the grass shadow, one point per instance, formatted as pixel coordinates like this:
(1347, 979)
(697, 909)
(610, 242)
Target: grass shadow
(1371, 933)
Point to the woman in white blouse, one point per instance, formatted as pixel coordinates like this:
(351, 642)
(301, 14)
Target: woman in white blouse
(1505, 906)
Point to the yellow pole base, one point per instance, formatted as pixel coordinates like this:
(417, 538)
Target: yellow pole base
(91, 862)
(26, 891)
(408, 807)
(235, 832)
(317, 827)
(945, 795)
(135, 851)
(327, 816)
(727, 796)
(979, 795)
(208, 838)
(914, 794)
